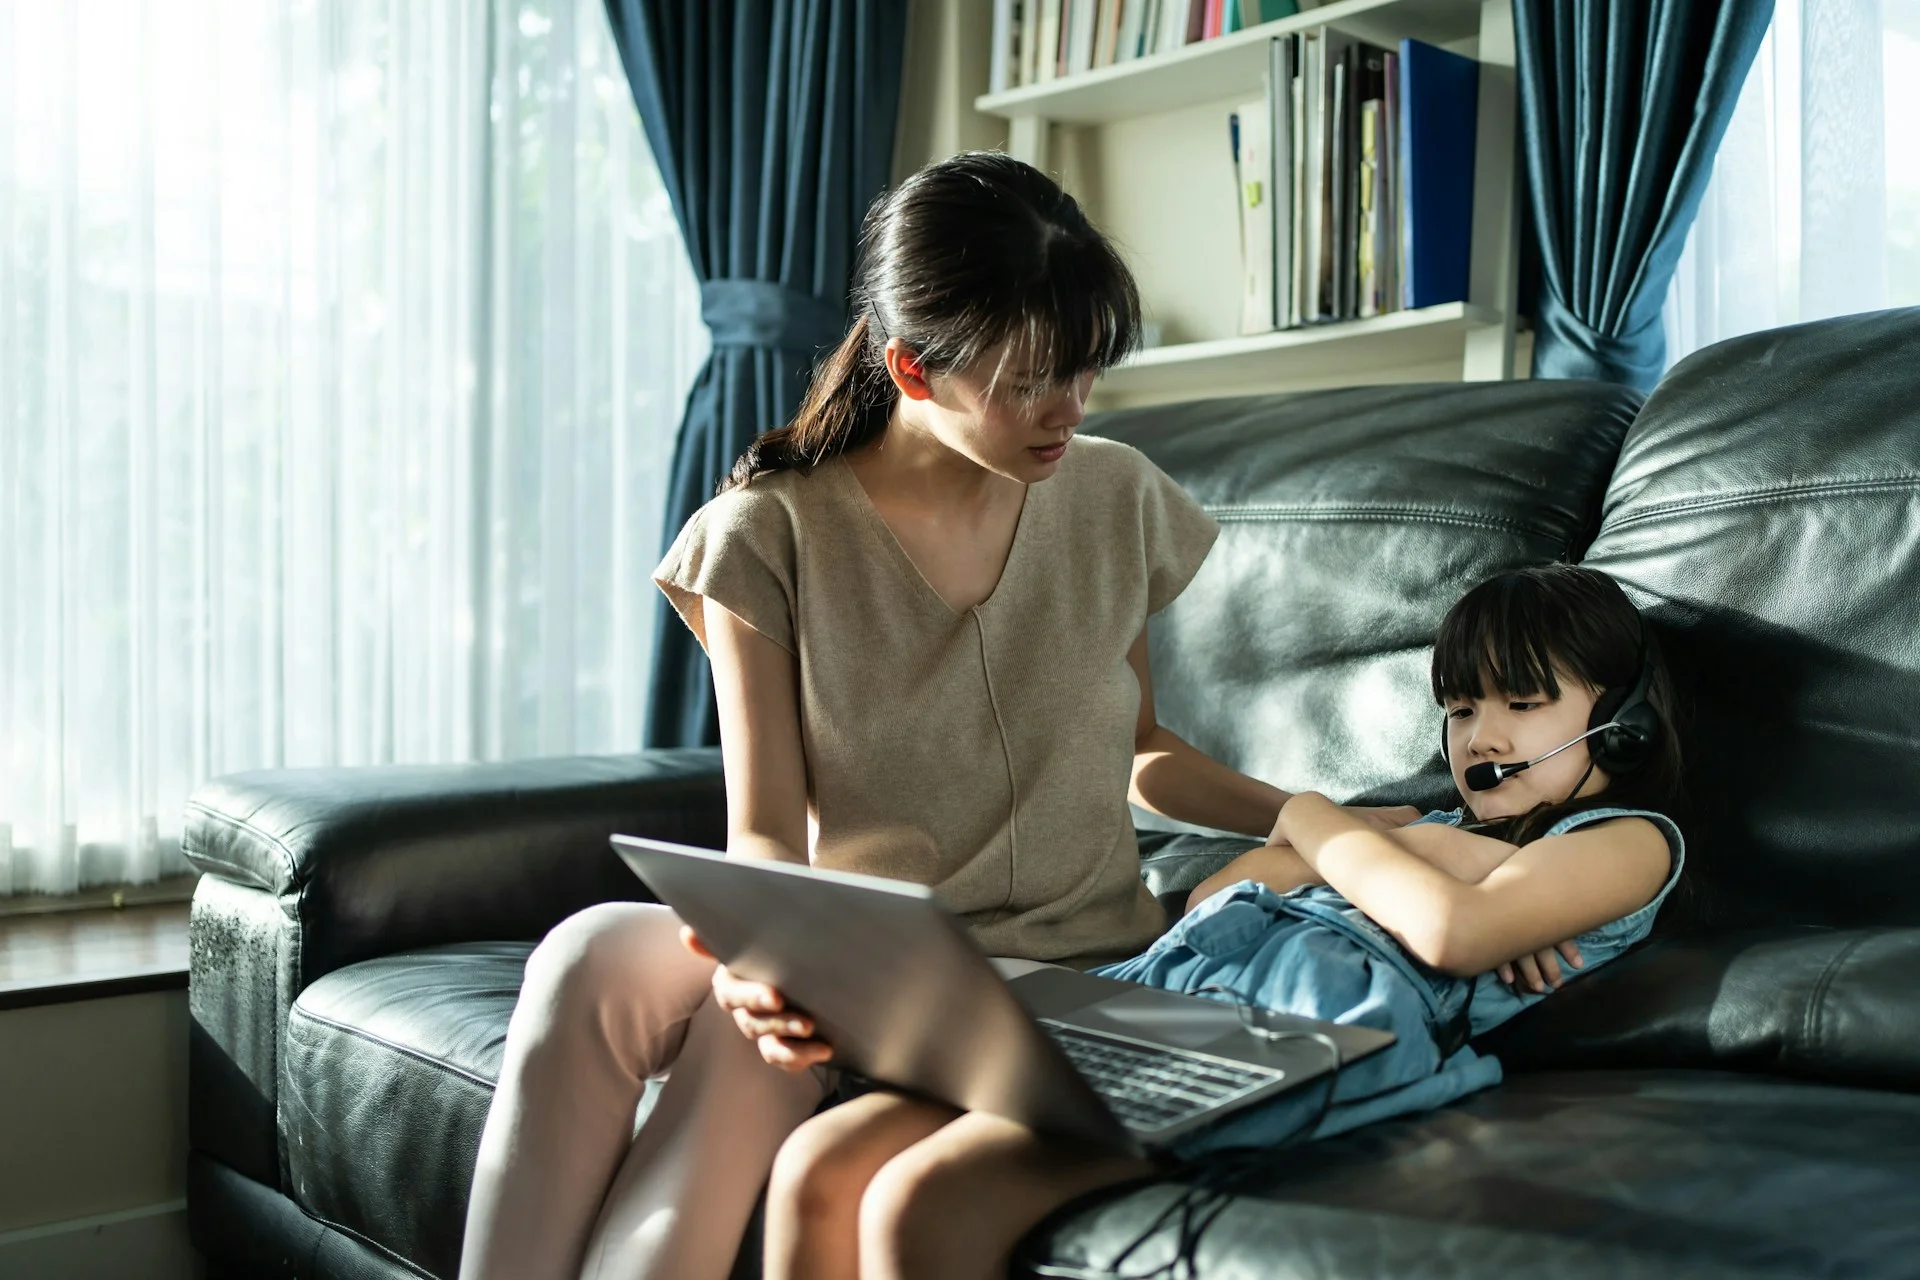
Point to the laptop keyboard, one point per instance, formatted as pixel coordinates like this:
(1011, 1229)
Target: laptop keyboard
(1154, 1087)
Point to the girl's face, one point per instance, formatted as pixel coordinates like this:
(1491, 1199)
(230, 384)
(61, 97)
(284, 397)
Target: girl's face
(1508, 728)
(998, 415)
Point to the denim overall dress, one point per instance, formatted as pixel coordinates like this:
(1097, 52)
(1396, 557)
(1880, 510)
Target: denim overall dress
(1312, 953)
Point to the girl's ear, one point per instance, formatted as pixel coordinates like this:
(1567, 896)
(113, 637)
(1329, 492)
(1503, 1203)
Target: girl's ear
(908, 373)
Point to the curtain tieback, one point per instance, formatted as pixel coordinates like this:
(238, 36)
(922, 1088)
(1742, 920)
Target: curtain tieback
(762, 313)
(1569, 347)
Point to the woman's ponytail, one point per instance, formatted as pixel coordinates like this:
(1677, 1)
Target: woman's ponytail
(847, 404)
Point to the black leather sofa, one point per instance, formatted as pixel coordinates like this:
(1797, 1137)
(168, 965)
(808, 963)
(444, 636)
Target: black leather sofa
(1734, 1099)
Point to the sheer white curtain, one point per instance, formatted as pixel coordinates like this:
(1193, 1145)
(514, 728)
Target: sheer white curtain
(342, 347)
(1814, 205)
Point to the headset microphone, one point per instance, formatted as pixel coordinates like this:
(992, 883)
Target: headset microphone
(1489, 774)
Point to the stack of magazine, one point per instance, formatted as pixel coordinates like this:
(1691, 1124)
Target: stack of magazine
(1355, 180)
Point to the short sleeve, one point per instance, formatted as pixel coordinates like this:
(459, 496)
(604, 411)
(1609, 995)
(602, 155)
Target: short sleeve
(739, 550)
(1177, 536)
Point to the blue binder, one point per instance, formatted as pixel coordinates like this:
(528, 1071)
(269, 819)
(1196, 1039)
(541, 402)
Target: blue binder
(1439, 115)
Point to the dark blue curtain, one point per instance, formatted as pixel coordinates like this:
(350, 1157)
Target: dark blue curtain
(1622, 106)
(772, 124)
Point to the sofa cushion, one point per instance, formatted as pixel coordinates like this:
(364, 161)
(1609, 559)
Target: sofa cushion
(1833, 1005)
(1350, 521)
(389, 1071)
(1766, 512)
(1597, 1174)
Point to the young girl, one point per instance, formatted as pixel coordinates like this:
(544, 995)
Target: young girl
(1436, 931)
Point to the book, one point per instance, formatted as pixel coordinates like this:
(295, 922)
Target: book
(1297, 298)
(1439, 110)
(1280, 150)
(1080, 35)
(1252, 172)
(1133, 22)
(1392, 268)
(1006, 31)
(1030, 40)
(1047, 50)
(1251, 13)
(1106, 35)
(1367, 264)
(1340, 189)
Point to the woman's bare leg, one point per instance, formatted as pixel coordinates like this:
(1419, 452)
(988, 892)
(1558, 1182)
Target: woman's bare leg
(612, 998)
(954, 1205)
(813, 1201)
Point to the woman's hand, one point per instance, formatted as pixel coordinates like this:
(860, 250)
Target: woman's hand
(783, 1035)
(1540, 971)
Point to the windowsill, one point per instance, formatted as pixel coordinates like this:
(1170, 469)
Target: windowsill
(89, 955)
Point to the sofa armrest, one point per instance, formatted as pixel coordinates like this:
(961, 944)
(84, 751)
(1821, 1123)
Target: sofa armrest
(309, 870)
(1834, 1006)
(369, 861)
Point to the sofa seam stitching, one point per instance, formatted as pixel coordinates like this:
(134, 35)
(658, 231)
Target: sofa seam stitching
(1246, 514)
(1748, 497)
(1816, 999)
(370, 1038)
(243, 825)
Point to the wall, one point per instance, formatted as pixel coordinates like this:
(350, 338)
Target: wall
(93, 1140)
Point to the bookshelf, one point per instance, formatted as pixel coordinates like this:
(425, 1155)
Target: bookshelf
(1142, 144)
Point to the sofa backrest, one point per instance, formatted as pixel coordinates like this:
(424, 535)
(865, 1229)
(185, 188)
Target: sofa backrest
(1763, 509)
(1350, 521)
(1765, 512)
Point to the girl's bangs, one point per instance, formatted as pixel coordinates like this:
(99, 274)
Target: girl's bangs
(1493, 640)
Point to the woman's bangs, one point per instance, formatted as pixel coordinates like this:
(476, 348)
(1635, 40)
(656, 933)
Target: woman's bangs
(1084, 314)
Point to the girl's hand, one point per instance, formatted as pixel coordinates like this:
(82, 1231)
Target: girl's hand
(1540, 971)
(783, 1034)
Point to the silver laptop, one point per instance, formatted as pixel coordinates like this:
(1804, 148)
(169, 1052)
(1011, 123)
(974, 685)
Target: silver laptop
(895, 984)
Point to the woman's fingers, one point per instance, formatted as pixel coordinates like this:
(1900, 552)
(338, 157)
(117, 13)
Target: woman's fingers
(794, 1055)
(1571, 950)
(733, 993)
(1549, 966)
(691, 941)
(788, 1026)
(1506, 973)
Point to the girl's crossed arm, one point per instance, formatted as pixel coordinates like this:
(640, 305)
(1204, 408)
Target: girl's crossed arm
(1558, 887)
(1464, 855)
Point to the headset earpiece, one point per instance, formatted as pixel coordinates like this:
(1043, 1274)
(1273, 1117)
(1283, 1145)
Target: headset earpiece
(1636, 725)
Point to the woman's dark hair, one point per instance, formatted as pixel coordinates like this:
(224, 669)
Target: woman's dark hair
(977, 250)
(1520, 631)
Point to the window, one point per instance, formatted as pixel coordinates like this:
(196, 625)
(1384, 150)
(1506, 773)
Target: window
(342, 348)
(1814, 205)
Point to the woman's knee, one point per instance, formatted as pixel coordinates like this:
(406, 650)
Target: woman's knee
(603, 952)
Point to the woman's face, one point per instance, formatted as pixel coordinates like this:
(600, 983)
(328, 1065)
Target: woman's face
(1001, 417)
(1508, 728)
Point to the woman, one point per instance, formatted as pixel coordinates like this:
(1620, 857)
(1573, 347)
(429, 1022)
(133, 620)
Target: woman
(925, 604)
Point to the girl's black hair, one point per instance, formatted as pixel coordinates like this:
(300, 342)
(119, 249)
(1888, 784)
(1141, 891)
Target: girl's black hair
(974, 251)
(1520, 631)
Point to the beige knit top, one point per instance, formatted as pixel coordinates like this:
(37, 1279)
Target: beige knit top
(985, 754)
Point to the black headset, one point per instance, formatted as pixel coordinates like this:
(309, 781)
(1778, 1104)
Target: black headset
(1633, 724)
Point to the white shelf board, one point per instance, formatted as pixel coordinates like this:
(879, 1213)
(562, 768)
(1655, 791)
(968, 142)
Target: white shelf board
(1224, 67)
(1327, 350)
